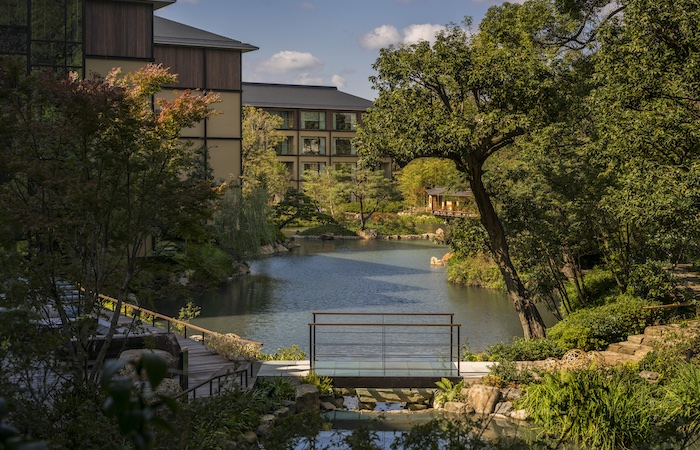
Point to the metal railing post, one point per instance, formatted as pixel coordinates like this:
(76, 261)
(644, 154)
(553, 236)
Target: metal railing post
(184, 366)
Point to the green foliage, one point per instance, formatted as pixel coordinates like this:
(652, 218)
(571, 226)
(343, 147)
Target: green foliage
(508, 373)
(468, 238)
(134, 407)
(595, 328)
(297, 207)
(651, 281)
(679, 410)
(449, 391)
(598, 285)
(275, 389)
(525, 350)
(324, 384)
(242, 223)
(475, 271)
(604, 410)
(335, 229)
(293, 353)
(426, 173)
(231, 347)
(186, 314)
(211, 264)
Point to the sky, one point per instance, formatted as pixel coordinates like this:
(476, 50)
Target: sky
(322, 42)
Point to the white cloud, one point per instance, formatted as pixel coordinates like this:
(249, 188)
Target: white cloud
(308, 78)
(289, 61)
(338, 81)
(380, 37)
(387, 35)
(421, 32)
(308, 5)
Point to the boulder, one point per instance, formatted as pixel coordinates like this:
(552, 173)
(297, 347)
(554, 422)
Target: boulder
(519, 414)
(368, 234)
(282, 412)
(440, 234)
(510, 394)
(170, 387)
(307, 398)
(503, 408)
(649, 376)
(135, 356)
(483, 398)
(457, 408)
(434, 261)
(328, 406)
(249, 437)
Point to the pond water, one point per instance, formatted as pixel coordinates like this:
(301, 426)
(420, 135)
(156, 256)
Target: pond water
(274, 304)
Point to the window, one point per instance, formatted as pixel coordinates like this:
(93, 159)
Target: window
(287, 119)
(313, 120)
(345, 121)
(285, 147)
(313, 146)
(343, 147)
(317, 167)
(290, 168)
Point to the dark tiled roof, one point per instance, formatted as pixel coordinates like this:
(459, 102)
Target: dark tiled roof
(169, 32)
(301, 96)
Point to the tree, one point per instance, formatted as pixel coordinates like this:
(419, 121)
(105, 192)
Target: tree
(323, 189)
(465, 99)
(93, 170)
(297, 206)
(370, 188)
(426, 173)
(261, 168)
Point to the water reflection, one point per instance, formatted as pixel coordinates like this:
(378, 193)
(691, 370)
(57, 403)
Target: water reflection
(274, 304)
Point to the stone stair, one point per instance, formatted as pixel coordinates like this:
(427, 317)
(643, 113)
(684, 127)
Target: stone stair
(637, 346)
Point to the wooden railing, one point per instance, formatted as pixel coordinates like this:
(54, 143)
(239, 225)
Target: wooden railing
(156, 319)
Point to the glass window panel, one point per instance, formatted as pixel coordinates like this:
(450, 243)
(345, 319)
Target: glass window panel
(13, 40)
(287, 118)
(343, 147)
(313, 146)
(74, 17)
(313, 120)
(13, 12)
(345, 121)
(48, 20)
(286, 147)
(48, 53)
(317, 167)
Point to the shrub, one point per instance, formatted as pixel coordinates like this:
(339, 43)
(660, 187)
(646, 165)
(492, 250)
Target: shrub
(324, 384)
(275, 389)
(599, 409)
(595, 328)
(599, 285)
(333, 228)
(293, 353)
(449, 391)
(651, 281)
(525, 350)
(475, 271)
(232, 347)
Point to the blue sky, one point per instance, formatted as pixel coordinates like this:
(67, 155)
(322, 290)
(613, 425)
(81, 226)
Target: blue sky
(322, 42)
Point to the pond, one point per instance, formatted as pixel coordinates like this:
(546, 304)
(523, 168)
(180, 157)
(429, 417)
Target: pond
(274, 304)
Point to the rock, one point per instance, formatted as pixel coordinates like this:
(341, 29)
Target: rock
(446, 257)
(519, 414)
(267, 250)
(434, 261)
(440, 234)
(135, 356)
(368, 234)
(511, 394)
(503, 408)
(282, 412)
(279, 248)
(649, 376)
(240, 268)
(291, 405)
(307, 398)
(170, 387)
(168, 342)
(328, 406)
(456, 407)
(249, 437)
(268, 419)
(186, 277)
(417, 407)
(483, 398)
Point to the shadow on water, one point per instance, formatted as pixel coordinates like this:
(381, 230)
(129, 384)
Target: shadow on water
(274, 304)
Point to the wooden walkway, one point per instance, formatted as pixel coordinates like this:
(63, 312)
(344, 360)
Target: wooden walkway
(202, 363)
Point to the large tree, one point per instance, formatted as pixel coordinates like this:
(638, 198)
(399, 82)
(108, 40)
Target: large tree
(465, 98)
(92, 171)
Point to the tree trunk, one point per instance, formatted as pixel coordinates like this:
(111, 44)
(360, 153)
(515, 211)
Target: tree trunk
(530, 319)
